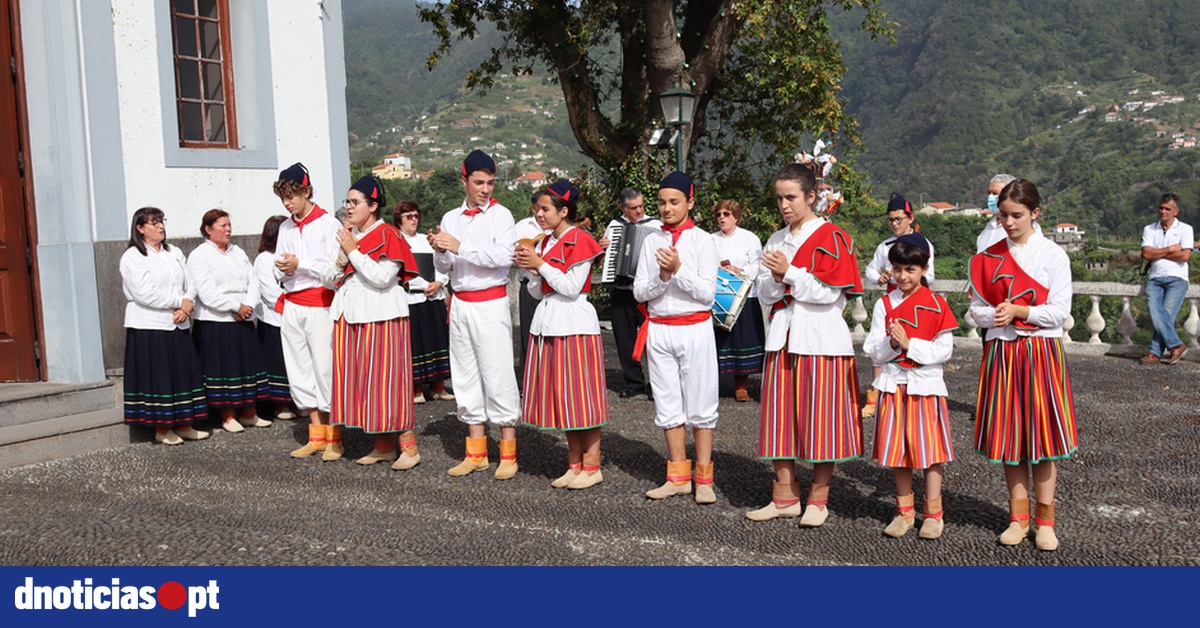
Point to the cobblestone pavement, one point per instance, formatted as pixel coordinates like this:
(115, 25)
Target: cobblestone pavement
(1129, 496)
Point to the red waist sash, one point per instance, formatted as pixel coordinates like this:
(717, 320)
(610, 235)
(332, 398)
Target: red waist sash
(309, 297)
(679, 320)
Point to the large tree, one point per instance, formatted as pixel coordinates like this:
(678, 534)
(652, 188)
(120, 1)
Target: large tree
(767, 71)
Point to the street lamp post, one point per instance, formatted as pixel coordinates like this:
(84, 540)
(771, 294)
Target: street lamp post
(677, 107)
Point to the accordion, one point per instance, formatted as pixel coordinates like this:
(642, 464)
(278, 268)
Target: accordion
(621, 258)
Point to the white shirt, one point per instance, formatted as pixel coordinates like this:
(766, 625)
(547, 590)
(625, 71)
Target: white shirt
(742, 249)
(224, 280)
(692, 288)
(1179, 233)
(646, 222)
(1047, 263)
(372, 293)
(993, 233)
(566, 311)
(816, 308)
(880, 262)
(416, 286)
(926, 379)
(312, 247)
(486, 243)
(528, 229)
(268, 289)
(155, 284)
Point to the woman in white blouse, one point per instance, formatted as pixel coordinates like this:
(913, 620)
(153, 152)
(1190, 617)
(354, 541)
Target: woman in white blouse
(163, 386)
(226, 295)
(270, 344)
(739, 350)
(426, 313)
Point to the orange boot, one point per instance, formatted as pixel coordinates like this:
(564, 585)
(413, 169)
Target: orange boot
(679, 481)
(508, 459)
(931, 527)
(704, 484)
(315, 444)
(1018, 527)
(815, 513)
(904, 519)
(1043, 526)
(409, 455)
(476, 459)
(333, 443)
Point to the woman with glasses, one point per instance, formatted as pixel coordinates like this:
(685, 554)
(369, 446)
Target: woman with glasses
(739, 350)
(372, 363)
(426, 312)
(163, 386)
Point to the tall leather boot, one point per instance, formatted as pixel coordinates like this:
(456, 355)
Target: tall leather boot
(679, 481)
(508, 459)
(904, 519)
(785, 502)
(1018, 527)
(1043, 525)
(815, 512)
(476, 459)
(333, 446)
(315, 444)
(932, 525)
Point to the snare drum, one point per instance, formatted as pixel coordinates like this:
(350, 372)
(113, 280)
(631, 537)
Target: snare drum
(732, 292)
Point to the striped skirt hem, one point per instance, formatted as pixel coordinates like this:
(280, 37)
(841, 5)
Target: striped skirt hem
(372, 376)
(912, 431)
(809, 409)
(270, 343)
(565, 383)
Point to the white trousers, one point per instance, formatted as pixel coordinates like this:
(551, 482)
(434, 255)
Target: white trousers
(683, 374)
(307, 334)
(481, 363)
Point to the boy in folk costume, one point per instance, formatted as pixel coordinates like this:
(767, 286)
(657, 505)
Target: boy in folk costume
(564, 371)
(305, 245)
(809, 408)
(474, 245)
(677, 280)
(1025, 411)
(900, 220)
(911, 337)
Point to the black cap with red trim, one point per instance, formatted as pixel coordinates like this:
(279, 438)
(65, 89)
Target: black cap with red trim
(478, 160)
(370, 187)
(900, 203)
(296, 173)
(679, 181)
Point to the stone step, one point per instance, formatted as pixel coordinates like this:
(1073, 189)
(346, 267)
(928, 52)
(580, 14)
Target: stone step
(63, 437)
(23, 404)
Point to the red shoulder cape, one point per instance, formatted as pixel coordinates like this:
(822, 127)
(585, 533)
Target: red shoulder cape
(576, 247)
(827, 254)
(995, 276)
(923, 315)
(386, 241)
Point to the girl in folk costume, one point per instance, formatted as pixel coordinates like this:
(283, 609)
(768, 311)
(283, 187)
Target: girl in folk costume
(372, 361)
(1025, 413)
(809, 408)
(911, 338)
(564, 368)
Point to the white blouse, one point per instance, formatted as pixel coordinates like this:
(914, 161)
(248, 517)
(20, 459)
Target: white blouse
(816, 309)
(930, 354)
(742, 249)
(566, 311)
(268, 289)
(372, 293)
(224, 280)
(692, 288)
(155, 284)
(416, 286)
(880, 262)
(1048, 264)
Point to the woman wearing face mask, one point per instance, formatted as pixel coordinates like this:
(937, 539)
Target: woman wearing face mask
(1025, 415)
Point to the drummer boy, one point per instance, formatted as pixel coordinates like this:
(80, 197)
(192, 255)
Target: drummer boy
(676, 281)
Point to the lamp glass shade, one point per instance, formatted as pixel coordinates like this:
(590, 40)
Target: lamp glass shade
(677, 106)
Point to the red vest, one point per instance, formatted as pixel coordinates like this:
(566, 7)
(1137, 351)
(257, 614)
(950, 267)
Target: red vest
(576, 247)
(386, 241)
(923, 315)
(996, 277)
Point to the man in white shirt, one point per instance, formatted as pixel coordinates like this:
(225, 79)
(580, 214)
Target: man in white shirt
(992, 231)
(623, 308)
(474, 244)
(527, 229)
(1167, 247)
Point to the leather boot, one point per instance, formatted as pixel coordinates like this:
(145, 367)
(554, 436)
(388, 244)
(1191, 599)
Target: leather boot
(679, 481)
(409, 456)
(508, 459)
(815, 513)
(905, 516)
(704, 484)
(931, 526)
(333, 443)
(1018, 527)
(589, 474)
(868, 409)
(476, 459)
(785, 503)
(378, 455)
(315, 444)
(1043, 525)
(564, 481)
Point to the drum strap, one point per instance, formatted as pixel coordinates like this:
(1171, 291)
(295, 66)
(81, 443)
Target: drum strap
(680, 320)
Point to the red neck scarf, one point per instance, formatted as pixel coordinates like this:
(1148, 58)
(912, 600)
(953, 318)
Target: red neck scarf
(478, 210)
(314, 214)
(678, 231)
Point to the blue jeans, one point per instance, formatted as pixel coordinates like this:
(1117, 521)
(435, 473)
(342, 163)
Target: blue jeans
(1165, 295)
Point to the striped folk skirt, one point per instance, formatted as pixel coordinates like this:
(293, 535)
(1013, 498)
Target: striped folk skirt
(1025, 411)
(430, 337)
(372, 376)
(232, 364)
(565, 383)
(740, 350)
(163, 384)
(809, 409)
(271, 345)
(912, 431)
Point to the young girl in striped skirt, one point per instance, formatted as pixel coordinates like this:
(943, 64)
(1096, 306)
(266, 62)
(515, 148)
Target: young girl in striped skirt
(372, 361)
(809, 408)
(1025, 413)
(911, 338)
(564, 369)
